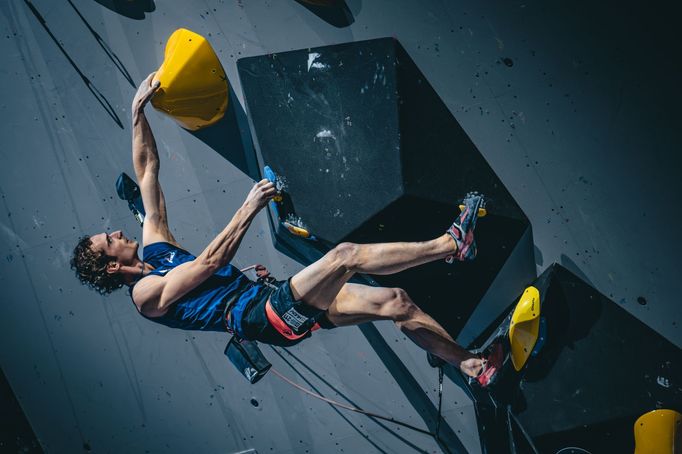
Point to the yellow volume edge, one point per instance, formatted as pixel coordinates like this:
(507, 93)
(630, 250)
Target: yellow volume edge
(524, 327)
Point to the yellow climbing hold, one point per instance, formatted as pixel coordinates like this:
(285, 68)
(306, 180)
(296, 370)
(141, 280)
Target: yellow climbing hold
(658, 432)
(482, 212)
(194, 88)
(524, 327)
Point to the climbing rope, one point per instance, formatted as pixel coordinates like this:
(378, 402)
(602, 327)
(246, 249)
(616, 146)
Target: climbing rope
(263, 273)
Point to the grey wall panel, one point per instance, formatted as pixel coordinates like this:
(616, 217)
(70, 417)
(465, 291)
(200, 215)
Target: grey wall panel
(28, 356)
(590, 158)
(457, 408)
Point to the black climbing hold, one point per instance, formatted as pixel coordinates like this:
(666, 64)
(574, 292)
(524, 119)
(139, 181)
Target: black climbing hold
(372, 154)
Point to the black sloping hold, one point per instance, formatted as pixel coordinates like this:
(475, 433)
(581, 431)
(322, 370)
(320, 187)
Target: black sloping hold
(599, 370)
(370, 153)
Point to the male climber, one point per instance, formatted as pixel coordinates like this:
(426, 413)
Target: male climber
(172, 287)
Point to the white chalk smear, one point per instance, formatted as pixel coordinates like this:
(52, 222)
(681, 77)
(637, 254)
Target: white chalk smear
(663, 381)
(325, 134)
(13, 238)
(315, 64)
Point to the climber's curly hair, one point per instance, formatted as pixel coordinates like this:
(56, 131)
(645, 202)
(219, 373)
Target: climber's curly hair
(91, 268)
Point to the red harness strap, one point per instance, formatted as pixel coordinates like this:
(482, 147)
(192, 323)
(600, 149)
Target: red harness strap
(281, 326)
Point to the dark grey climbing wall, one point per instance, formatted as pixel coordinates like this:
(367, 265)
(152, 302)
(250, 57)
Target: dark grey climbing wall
(574, 105)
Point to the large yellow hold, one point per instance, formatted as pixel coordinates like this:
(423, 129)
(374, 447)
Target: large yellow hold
(194, 89)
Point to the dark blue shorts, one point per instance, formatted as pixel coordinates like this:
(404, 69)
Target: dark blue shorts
(275, 317)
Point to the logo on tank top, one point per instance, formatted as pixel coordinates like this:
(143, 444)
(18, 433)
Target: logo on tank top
(170, 257)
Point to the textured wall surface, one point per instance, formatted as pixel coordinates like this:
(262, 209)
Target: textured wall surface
(573, 104)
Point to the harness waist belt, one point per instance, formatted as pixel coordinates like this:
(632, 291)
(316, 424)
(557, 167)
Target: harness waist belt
(281, 326)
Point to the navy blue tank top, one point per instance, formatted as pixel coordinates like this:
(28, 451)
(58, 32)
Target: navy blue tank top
(203, 307)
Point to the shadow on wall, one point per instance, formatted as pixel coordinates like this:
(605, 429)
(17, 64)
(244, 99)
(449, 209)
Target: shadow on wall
(231, 138)
(539, 258)
(573, 267)
(101, 99)
(334, 12)
(105, 47)
(426, 412)
(133, 9)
